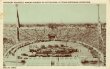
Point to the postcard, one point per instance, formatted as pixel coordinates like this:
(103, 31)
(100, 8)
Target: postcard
(54, 34)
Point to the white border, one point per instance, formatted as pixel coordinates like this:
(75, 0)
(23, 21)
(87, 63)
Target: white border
(60, 67)
(1, 34)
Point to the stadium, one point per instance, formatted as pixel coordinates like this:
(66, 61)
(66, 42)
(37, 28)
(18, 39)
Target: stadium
(54, 44)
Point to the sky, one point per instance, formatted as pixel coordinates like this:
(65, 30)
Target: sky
(54, 13)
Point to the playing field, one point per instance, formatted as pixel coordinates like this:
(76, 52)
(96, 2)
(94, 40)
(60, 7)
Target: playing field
(75, 60)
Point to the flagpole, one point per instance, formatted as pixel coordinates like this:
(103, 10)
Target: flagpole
(99, 31)
(18, 23)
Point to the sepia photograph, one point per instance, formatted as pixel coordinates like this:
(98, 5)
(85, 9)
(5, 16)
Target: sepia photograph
(54, 34)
